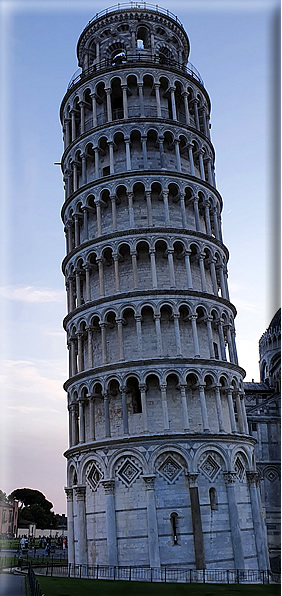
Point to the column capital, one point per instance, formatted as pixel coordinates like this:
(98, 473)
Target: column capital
(253, 478)
(80, 492)
(109, 486)
(149, 480)
(143, 387)
(163, 386)
(230, 477)
(69, 493)
(192, 479)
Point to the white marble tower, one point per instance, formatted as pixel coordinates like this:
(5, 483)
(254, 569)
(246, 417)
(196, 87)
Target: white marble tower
(161, 469)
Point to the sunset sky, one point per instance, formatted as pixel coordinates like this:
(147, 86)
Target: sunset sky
(233, 47)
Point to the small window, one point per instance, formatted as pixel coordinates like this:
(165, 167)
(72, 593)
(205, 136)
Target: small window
(106, 171)
(215, 347)
(213, 499)
(254, 426)
(174, 527)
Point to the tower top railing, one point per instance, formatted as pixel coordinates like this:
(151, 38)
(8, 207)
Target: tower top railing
(134, 6)
(134, 59)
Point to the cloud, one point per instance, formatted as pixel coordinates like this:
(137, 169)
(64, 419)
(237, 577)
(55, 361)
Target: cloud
(41, 379)
(32, 294)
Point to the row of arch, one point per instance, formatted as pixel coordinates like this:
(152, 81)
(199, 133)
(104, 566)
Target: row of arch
(143, 96)
(150, 332)
(94, 215)
(77, 470)
(113, 270)
(161, 404)
(127, 151)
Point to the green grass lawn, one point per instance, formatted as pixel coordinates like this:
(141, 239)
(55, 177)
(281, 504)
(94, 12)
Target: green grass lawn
(53, 586)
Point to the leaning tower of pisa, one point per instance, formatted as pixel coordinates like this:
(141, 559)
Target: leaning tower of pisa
(160, 466)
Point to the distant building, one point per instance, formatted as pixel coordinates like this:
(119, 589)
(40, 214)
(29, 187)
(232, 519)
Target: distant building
(263, 401)
(8, 518)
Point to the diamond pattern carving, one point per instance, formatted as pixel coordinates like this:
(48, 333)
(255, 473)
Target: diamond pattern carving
(239, 469)
(93, 476)
(128, 472)
(271, 475)
(170, 469)
(210, 468)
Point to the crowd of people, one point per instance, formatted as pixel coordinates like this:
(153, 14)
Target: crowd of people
(43, 542)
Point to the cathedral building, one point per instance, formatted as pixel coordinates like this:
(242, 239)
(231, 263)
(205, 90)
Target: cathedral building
(160, 462)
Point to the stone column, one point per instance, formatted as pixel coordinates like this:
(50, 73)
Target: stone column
(81, 421)
(73, 356)
(188, 269)
(90, 347)
(207, 218)
(202, 272)
(204, 408)
(107, 415)
(85, 222)
(73, 126)
(80, 358)
(210, 176)
(165, 408)
(183, 211)
(76, 230)
(69, 495)
(141, 99)
(82, 117)
(111, 153)
(144, 407)
(96, 152)
(114, 212)
(239, 413)
(219, 408)
(170, 252)
(221, 339)
(144, 152)
(153, 268)
(80, 492)
(68, 135)
(173, 106)
(186, 107)
(196, 213)
(120, 339)
(177, 155)
(124, 100)
(149, 207)
(109, 487)
(109, 105)
(196, 522)
(128, 157)
(153, 534)
(193, 319)
(191, 159)
(98, 215)
(201, 162)
(74, 425)
(213, 276)
(233, 335)
(92, 418)
(176, 318)
(101, 276)
(209, 321)
(222, 282)
(124, 411)
(215, 223)
(231, 411)
(246, 427)
(134, 269)
(166, 208)
(83, 169)
(230, 346)
(138, 319)
(117, 282)
(87, 283)
(225, 275)
(162, 155)
(130, 209)
(186, 425)
(195, 104)
(158, 334)
(230, 480)
(253, 482)
(77, 287)
(158, 99)
(94, 109)
(103, 342)
(70, 426)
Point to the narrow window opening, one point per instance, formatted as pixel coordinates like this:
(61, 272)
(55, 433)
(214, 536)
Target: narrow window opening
(215, 347)
(213, 499)
(174, 527)
(106, 171)
(254, 426)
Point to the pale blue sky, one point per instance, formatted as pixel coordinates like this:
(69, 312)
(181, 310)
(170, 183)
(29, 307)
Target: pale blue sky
(232, 47)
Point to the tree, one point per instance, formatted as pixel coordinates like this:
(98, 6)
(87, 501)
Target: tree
(3, 496)
(34, 507)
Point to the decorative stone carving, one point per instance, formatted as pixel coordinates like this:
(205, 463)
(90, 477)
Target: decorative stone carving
(128, 472)
(170, 469)
(210, 468)
(93, 476)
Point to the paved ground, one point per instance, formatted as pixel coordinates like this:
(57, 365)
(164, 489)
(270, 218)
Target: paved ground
(12, 585)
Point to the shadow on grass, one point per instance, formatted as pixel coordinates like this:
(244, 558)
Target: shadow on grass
(53, 586)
